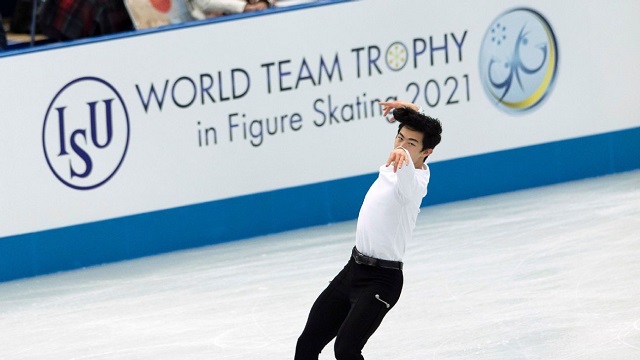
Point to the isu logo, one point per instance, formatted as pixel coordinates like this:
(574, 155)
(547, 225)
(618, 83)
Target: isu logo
(518, 60)
(85, 133)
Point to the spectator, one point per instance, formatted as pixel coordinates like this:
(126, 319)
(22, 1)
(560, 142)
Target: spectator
(74, 19)
(3, 35)
(201, 9)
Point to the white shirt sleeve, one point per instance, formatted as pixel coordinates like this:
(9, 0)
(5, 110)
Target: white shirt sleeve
(409, 186)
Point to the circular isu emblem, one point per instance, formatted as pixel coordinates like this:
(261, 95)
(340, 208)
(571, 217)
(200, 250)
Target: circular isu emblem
(85, 135)
(518, 60)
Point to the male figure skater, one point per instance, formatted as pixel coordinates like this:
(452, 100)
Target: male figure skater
(353, 305)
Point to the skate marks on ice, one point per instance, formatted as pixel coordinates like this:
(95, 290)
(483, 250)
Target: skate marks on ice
(547, 273)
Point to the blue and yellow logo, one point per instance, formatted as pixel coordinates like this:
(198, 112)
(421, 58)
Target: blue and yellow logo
(518, 60)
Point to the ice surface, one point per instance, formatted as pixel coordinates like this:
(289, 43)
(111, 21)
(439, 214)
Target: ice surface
(546, 273)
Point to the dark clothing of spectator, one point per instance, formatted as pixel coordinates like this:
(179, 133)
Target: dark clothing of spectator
(74, 19)
(3, 35)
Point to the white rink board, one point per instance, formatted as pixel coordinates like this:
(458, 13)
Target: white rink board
(310, 79)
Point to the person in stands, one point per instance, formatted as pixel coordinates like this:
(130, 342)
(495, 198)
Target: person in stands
(63, 20)
(3, 35)
(201, 9)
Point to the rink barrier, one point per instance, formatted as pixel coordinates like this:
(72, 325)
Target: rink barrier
(248, 216)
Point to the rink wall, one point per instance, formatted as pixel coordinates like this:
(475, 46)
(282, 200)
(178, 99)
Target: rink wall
(154, 141)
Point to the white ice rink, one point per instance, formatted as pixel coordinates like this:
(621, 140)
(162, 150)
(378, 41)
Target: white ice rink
(547, 273)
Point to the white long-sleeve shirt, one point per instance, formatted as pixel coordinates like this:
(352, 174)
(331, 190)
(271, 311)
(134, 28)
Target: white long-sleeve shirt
(389, 211)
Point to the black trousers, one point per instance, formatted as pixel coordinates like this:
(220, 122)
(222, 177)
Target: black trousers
(350, 309)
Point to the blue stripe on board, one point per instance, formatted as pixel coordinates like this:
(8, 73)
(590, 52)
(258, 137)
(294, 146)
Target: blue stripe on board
(286, 209)
(532, 166)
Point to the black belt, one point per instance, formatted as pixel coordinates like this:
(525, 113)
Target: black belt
(363, 259)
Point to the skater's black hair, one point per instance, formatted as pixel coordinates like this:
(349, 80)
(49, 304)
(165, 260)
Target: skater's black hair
(430, 127)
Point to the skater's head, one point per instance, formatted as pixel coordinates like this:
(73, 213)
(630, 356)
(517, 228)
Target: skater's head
(417, 131)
